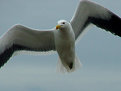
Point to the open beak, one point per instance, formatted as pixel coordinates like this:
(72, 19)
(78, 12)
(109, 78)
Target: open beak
(58, 26)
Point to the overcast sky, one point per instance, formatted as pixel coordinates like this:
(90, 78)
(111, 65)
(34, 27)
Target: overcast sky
(99, 51)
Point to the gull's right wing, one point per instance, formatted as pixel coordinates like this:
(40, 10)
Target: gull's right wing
(22, 38)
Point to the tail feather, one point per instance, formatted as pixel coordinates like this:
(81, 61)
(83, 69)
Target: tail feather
(67, 69)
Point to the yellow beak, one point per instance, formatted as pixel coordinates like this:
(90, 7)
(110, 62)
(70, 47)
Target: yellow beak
(58, 26)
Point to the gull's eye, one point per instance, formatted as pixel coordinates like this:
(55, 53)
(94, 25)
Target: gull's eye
(63, 22)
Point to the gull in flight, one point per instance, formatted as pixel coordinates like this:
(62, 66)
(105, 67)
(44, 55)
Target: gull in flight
(62, 38)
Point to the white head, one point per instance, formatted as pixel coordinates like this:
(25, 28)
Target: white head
(63, 24)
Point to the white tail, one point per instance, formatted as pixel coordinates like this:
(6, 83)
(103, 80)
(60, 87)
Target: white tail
(65, 69)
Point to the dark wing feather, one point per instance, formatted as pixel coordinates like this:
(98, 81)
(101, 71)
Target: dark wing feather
(113, 24)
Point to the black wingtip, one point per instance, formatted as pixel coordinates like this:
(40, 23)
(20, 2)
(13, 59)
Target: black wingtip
(5, 56)
(112, 24)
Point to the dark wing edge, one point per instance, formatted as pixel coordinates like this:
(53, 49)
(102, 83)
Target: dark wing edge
(6, 54)
(113, 24)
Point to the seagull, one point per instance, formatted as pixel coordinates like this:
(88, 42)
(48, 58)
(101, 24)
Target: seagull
(61, 38)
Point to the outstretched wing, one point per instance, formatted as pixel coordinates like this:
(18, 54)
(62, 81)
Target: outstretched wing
(91, 13)
(22, 38)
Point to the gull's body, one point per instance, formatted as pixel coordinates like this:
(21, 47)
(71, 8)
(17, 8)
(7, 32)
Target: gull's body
(65, 46)
(60, 39)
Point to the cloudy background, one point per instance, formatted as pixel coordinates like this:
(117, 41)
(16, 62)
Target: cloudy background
(99, 51)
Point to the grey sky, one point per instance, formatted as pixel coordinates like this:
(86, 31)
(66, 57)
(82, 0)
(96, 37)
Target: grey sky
(99, 51)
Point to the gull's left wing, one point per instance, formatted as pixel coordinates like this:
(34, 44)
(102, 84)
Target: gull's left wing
(88, 13)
